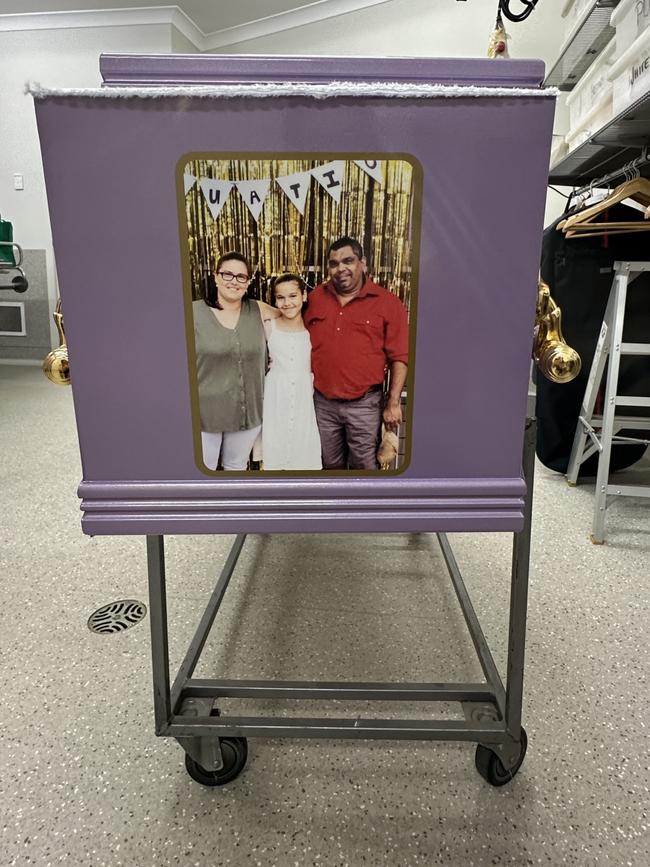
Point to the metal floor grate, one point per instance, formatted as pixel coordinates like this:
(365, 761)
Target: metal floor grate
(117, 616)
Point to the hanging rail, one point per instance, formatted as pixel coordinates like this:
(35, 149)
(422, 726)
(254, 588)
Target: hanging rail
(629, 168)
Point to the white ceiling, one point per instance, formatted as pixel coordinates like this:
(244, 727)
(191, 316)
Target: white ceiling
(461, 28)
(209, 16)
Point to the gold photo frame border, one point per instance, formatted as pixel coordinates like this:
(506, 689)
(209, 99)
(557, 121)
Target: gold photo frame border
(416, 234)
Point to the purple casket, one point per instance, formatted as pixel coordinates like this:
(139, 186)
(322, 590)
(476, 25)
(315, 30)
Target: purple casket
(437, 168)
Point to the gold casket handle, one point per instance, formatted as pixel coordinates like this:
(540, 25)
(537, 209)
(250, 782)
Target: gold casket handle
(56, 366)
(553, 356)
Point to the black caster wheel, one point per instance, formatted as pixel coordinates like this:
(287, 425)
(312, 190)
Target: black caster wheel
(19, 284)
(234, 752)
(491, 768)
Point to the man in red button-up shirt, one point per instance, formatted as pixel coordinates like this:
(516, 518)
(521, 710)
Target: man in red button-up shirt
(358, 330)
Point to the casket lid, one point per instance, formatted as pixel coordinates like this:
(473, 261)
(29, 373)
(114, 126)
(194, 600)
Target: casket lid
(119, 70)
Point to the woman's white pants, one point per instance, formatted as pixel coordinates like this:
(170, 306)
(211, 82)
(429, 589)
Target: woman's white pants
(235, 448)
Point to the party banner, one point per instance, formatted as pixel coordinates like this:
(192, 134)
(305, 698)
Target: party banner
(253, 193)
(330, 177)
(372, 168)
(189, 180)
(296, 187)
(216, 193)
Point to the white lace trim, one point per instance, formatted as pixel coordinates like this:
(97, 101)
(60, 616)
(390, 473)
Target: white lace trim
(315, 91)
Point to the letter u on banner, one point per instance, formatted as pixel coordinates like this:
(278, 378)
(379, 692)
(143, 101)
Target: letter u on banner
(215, 193)
(330, 177)
(254, 193)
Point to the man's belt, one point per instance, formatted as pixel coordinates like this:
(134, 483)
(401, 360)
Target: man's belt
(372, 389)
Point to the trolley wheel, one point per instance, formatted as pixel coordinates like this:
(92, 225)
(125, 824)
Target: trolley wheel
(234, 752)
(492, 769)
(19, 283)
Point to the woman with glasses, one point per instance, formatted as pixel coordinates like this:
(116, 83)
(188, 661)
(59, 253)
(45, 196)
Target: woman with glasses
(230, 364)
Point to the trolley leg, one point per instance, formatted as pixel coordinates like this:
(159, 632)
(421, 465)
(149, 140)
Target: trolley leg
(209, 759)
(159, 639)
(499, 762)
(519, 594)
(203, 630)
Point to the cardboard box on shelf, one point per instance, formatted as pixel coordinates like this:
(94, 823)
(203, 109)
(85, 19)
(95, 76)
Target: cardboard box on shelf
(592, 87)
(630, 18)
(630, 75)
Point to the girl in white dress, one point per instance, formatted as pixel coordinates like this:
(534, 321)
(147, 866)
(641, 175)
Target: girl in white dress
(290, 439)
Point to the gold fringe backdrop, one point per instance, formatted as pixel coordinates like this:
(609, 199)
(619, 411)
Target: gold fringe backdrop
(378, 215)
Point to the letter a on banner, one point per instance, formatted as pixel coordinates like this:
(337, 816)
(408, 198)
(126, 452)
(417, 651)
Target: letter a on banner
(295, 188)
(216, 193)
(254, 193)
(372, 168)
(190, 180)
(330, 177)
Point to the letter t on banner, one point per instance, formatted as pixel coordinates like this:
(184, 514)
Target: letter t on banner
(330, 177)
(296, 187)
(216, 193)
(254, 193)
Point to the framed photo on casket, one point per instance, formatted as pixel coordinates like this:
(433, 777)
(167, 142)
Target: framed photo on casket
(328, 244)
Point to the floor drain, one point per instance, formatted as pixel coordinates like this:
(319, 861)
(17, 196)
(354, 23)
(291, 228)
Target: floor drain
(117, 616)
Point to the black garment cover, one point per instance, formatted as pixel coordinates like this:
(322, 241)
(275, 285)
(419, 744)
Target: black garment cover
(579, 273)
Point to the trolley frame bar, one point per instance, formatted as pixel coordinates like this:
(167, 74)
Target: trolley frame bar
(492, 710)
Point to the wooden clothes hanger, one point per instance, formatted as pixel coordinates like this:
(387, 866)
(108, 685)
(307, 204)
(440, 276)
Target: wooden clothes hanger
(600, 230)
(636, 188)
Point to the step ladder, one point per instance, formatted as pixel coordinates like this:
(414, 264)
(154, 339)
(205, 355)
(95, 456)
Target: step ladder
(603, 430)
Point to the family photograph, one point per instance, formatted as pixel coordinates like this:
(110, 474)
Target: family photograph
(302, 295)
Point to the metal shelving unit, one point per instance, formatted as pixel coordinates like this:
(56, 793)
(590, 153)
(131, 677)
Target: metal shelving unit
(617, 143)
(623, 138)
(583, 47)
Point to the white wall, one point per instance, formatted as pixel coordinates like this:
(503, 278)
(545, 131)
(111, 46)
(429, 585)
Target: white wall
(53, 58)
(181, 44)
(434, 28)
(70, 58)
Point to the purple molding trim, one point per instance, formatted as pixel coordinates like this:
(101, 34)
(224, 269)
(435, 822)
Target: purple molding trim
(458, 505)
(194, 525)
(274, 489)
(118, 70)
(414, 521)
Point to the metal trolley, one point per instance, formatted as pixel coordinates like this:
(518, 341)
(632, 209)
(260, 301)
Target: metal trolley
(137, 408)
(216, 745)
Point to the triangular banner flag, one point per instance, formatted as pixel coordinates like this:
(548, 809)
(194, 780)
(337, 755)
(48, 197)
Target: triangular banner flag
(372, 168)
(216, 193)
(330, 177)
(296, 187)
(254, 193)
(190, 180)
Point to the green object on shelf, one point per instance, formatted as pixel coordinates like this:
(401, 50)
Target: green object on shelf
(6, 240)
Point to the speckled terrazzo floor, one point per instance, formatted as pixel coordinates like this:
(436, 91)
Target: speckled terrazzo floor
(84, 781)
